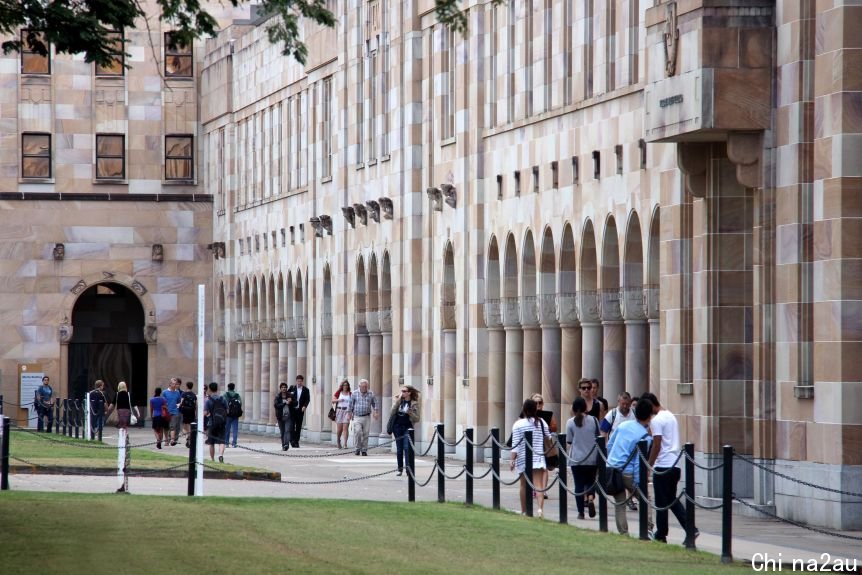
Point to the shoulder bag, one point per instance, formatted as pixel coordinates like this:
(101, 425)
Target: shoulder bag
(552, 454)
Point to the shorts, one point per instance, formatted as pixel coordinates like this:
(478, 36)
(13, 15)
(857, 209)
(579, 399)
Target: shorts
(215, 436)
(189, 417)
(159, 423)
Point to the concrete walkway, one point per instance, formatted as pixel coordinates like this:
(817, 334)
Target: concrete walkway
(342, 475)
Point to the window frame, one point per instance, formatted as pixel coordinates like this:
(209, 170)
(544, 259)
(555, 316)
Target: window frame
(172, 49)
(50, 156)
(109, 157)
(190, 158)
(25, 51)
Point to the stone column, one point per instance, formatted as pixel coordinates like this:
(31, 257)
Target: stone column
(263, 395)
(613, 345)
(389, 388)
(255, 384)
(532, 382)
(496, 365)
(240, 379)
(514, 363)
(248, 374)
(550, 354)
(651, 299)
(328, 386)
(302, 359)
(363, 358)
(291, 362)
(637, 354)
(449, 384)
(591, 333)
(570, 352)
(375, 379)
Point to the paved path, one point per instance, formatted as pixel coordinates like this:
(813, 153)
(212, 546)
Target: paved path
(334, 472)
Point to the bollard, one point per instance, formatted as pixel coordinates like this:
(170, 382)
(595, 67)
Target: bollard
(495, 467)
(727, 505)
(603, 503)
(689, 494)
(66, 417)
(564, 491)
(643, 510)
(441, 465)
(469, 498)
(528, 470)
(4, 455)
(193, 454)
(411, 467)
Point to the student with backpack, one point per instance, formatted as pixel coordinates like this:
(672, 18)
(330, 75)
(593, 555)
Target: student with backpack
(188, 409)
(234, 412)
(215, 412)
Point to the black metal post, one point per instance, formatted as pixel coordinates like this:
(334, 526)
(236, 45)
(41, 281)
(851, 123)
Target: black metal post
(495, 467)
(469, 497)
(441, 465)
(1, 404)
(411, 467)
(603, 503)
(4, 456)
(689, 496)
(57, 412)
(727, 505)
(66, 417)
(564, 489)
(643, 510)
(528, 470)
(193, 456)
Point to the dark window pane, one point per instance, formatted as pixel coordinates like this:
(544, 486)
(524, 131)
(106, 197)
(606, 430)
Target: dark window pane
(36, 167)
(34, 64)
(31, 61)
(109, 146)
(178, 66)
(178, 169)
(109, 168)
(178, 147)
(36, 145)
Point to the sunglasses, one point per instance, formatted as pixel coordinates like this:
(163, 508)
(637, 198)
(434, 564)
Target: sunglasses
(586, 387)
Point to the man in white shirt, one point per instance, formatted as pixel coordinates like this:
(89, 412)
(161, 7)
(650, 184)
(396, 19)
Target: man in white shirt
(622, 412)
(663, 458)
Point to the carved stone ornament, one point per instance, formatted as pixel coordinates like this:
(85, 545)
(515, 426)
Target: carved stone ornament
(79, 287)
(59, 252)
(326, 222)
(138, 288)
(107, 275)
(436, 196)
(349, 215)
(362, 213)
(65, 333)
(219, 250)
(315, 225)
(671, 39)
(158, 253)
(450, 194)
(387, 208)
(151, 334)
(373, 210)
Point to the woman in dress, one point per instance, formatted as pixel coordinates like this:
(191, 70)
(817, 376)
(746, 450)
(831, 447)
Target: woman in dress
(403, 417)
(159, 424)
(530, 421)
(548, 417)
(124, 406)
(341, 402)
(581, 432)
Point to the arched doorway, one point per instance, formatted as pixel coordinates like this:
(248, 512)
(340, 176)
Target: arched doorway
(108, 342)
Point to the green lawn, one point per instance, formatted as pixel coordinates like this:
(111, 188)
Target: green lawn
(57, 450)
(90, 534)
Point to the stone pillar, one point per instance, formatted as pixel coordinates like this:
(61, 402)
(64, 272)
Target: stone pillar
(255, 382)
(550, 354)
(651, 299)
(613, 345)
(388, 390)
(282, 363)
(449, 384)
(302, 359)
(375, 378)
(532, 381)
(263, 395)
(570, 351)
(328, 386)
(248, 374)
(514, 362)
(591, 335)
(497, 379)
(291, 362)
(637, 341)
(240, 379)
(363, 358)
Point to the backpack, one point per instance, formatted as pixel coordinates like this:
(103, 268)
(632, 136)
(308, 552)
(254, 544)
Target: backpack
(234, 406)
(218, 415)
(188, 402)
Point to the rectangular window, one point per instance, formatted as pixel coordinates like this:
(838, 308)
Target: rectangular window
(449, 70)
(499, 187)
(517, 183)
(384, 98)
(642, 149)
(535, 179)
(555, 175)
(179, 157)
(283, 238)
(36, 156)
(576, 171)
(326, 129)
(117, 65)
(548, 60)
(110, 157)
(618, 152)
(529, 56)
(567, 52)
(33, 61)
(597, 164)
(241, 247)
(178, 58)
(292, 235)
(372, 109)
(301, 232)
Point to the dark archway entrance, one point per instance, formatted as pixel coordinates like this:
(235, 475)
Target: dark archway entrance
(108, 342)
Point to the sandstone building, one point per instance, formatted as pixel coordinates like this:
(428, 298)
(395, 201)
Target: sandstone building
(662, 195)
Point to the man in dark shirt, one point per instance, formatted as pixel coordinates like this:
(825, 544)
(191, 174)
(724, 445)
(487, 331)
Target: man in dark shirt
(44, 403)
(298, 398)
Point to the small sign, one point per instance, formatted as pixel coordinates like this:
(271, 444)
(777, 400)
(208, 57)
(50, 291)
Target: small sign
(30, 378)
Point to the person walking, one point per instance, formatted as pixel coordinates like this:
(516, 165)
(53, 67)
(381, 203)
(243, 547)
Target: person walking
(282, 415)
(341, 403)
(298, 398)
(403, 417)
(234, 412)
(124, 406)
(585, 387)
(173, 396)
(621, 447)
(581, 432)
(43, 400)
(551, 462)
(160, 416)
(666, 475)
(215, 411)
(363, 406)
(530, 421)
(98, 407)
(188, 410)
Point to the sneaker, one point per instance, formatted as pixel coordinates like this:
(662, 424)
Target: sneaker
(173, 443)
(221, 459)
(696, 535)
(400, 472)
(591, 508)
(655, 537)
(158, 445)
(632, 505)
(357, 452)
(365, 454)
(580, 515)
(539, 513)
(284, 447)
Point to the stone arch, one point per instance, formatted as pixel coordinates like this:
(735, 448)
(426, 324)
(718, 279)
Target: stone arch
(386, 293)
(372, 301)
(613, 344)
(449, 325)
(359, 296)
(633, 268)
(588, 305)
(548, 279)
(566, 311)
(510, 282)
(299, 304)
(125, 280)
(652, 297)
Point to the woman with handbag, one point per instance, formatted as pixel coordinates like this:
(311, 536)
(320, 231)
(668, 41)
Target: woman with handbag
(581, 432)
(530, 421)
(341, 403)
(125, 417)
(403, 417)
(552, 457)
(160, 415)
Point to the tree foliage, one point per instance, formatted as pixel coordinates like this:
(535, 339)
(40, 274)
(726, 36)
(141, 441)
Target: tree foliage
(86, 26)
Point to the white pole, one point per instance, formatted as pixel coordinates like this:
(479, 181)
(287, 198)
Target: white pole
(88, 431)
(199, 483)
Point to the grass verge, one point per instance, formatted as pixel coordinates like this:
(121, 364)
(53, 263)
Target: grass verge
(91, 534)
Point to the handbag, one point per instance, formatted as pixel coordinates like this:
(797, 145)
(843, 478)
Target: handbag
(132, 419)
(552, 454)
(331, 414)
(390, 425)
(166, 415)
(612, 481)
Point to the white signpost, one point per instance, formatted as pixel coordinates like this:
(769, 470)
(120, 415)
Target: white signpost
(30, 382)
(199, 482)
